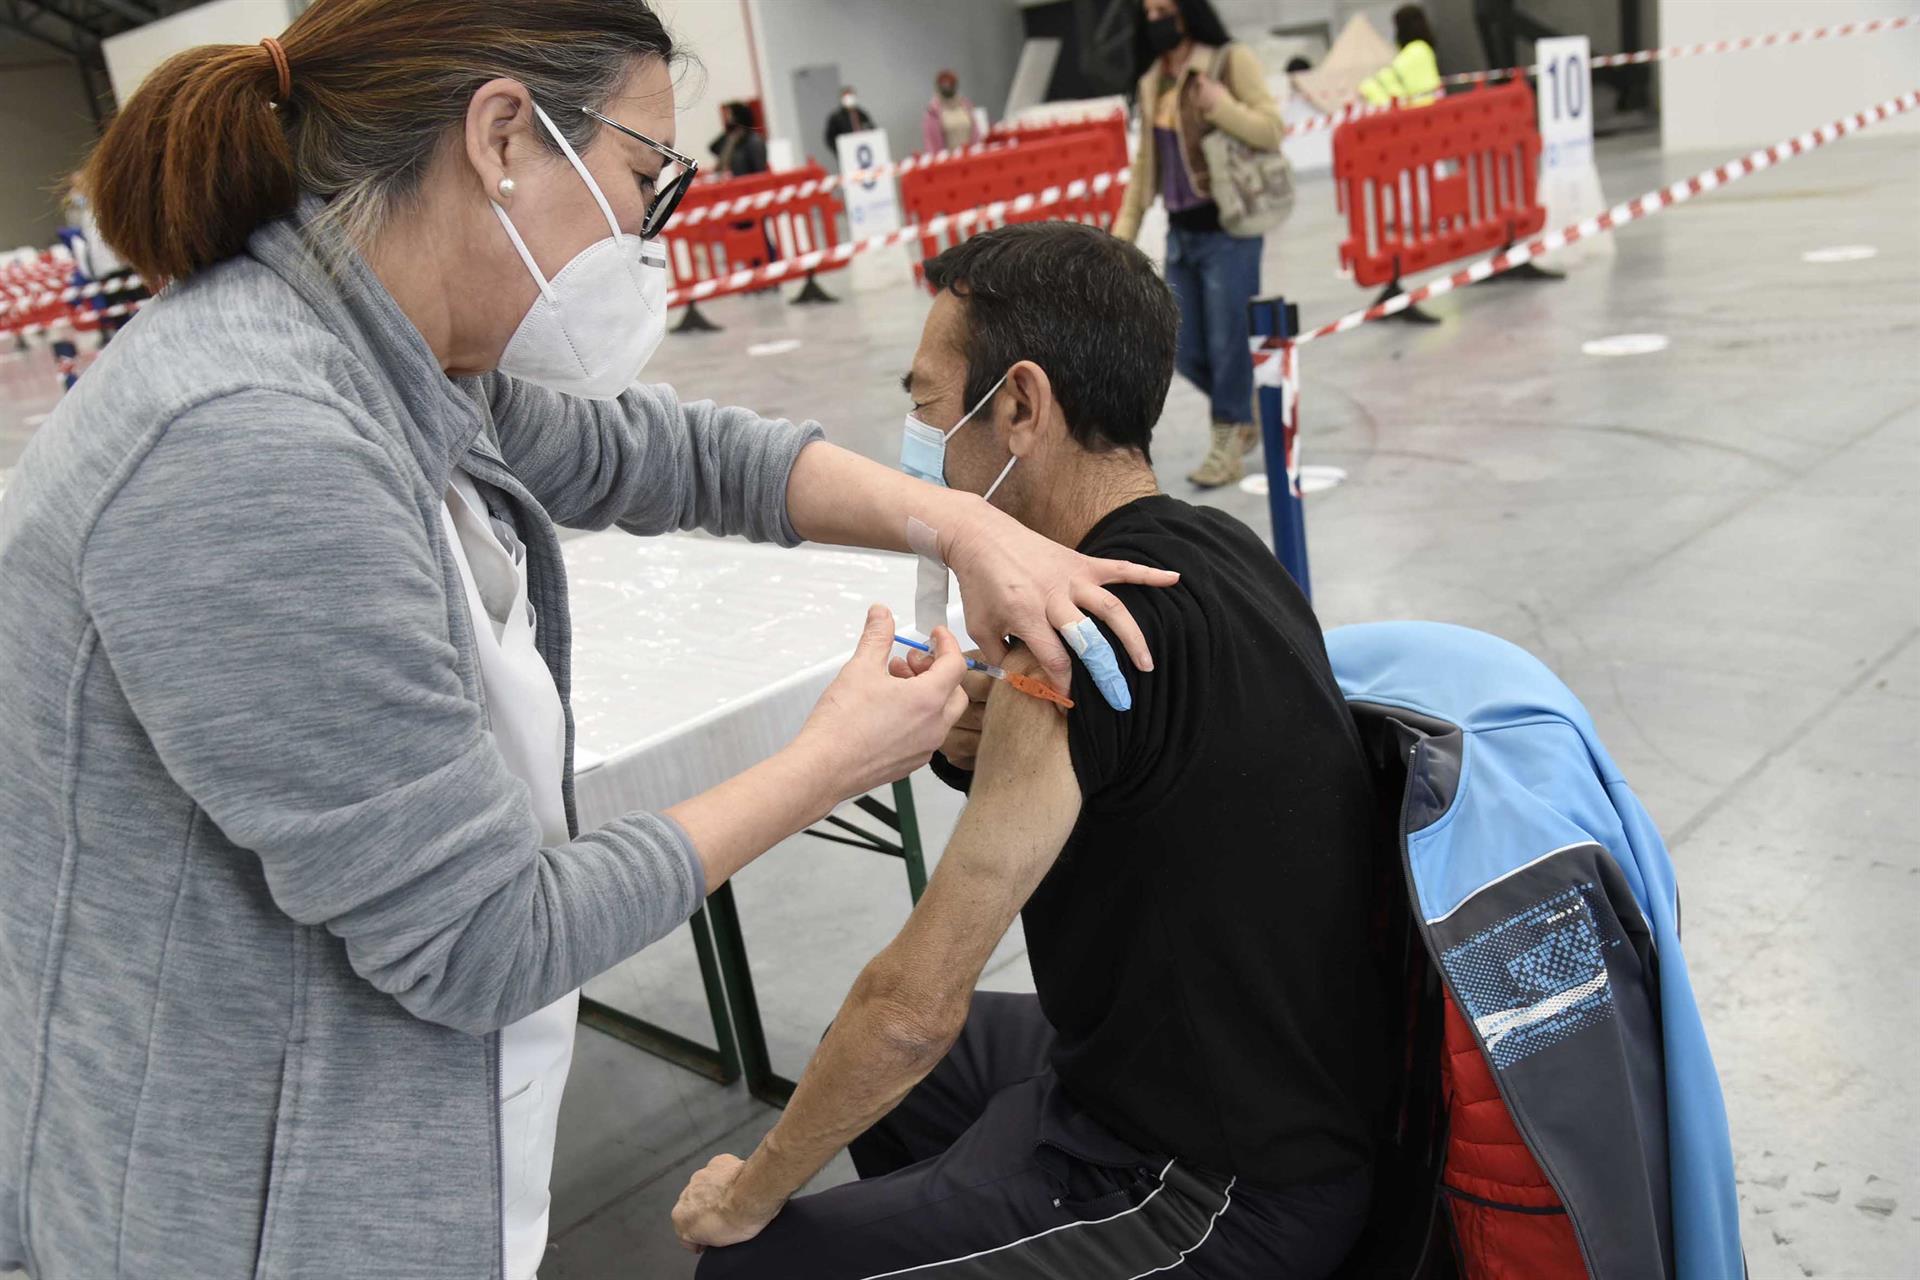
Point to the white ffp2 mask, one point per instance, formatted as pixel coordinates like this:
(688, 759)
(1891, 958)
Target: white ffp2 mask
(599, 320)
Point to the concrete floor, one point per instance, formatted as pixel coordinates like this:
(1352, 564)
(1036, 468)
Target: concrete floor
(1716, 546)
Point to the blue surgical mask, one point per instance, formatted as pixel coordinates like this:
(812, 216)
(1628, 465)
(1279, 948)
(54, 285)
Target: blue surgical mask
(923, 449)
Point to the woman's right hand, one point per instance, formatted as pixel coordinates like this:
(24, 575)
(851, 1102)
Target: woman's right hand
(962, 746)
(871, 727)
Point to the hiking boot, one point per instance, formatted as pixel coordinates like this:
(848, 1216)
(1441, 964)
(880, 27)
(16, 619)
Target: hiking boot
(1249, 438)
(1222, 463)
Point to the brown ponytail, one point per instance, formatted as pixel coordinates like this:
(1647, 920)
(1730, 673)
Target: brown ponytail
(193, 163)
(210, 147)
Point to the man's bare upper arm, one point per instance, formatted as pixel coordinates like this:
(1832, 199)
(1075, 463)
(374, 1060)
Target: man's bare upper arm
(1021, 809)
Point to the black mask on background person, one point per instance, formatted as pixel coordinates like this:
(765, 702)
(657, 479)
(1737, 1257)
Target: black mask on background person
(1164, 35)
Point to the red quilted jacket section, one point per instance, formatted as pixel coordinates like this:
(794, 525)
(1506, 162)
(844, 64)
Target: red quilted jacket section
(1509, 1223)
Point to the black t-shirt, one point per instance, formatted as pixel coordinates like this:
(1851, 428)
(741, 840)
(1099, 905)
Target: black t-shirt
(1201, 945)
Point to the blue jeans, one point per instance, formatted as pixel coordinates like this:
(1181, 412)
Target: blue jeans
(1213, 277)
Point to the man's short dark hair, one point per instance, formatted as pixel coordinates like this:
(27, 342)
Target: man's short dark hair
(1083, 305)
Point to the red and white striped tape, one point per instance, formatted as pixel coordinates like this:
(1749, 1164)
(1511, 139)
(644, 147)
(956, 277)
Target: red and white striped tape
(72, 293)
(816, 186)
(1287, 371)
(1268, 373)
(25, 303)
(77, 319)
(1870, 27)
(773, 273)
(1114, 114)
(1333, 121)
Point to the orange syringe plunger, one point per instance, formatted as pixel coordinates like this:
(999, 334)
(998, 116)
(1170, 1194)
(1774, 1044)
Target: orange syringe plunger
(1037, 689)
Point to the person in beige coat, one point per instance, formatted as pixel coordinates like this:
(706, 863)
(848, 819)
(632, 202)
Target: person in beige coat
(1194, 79)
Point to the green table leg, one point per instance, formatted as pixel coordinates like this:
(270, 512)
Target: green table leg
(722, 949)
(730, 946)
(720, 1064)
(910, 849)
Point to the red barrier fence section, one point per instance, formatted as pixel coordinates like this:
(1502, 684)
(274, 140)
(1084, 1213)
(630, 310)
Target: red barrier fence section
(32, 289)
(1114, 122)
(1002, 176)
(1425, 185)
(799, 184)
(1265, 368)
(712, 247)
(1021, 208)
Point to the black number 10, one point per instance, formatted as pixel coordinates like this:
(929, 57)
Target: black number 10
(1570, 90)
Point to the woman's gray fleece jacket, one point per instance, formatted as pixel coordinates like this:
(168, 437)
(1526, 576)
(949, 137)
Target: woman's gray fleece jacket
(267, 889)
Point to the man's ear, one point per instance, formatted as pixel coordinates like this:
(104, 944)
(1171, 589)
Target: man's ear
(1033, 412)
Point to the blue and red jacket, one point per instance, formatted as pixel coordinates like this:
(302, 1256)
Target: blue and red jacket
(1584, 1129)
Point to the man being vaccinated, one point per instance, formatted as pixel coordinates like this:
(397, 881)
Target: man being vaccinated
(1196, 1079)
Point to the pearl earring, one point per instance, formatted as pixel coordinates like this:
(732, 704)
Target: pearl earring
(506, 187)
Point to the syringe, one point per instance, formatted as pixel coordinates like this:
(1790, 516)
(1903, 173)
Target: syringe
(1025, 684)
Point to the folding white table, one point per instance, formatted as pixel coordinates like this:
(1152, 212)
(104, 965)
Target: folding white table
(694, 658)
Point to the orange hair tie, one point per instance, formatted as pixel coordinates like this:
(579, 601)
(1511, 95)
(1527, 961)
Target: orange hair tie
(279, 56)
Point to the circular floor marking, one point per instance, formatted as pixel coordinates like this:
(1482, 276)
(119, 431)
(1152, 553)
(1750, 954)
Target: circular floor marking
(1312, 480)
(1840, 253)
(779, 346)
(1320, 479)
(1626, 344)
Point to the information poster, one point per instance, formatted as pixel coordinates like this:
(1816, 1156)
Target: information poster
(1569, 182)
(873, 208)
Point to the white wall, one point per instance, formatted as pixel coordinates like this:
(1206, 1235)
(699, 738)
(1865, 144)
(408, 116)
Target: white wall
(716, 32)
(889, 50)
(1732, 100)
(131, 55)
(46, 128)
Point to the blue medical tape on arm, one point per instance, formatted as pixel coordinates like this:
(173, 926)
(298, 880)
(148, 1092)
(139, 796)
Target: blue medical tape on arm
(1097, 656)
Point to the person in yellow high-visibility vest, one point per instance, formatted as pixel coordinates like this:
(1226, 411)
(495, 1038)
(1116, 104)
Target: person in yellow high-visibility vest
(1413, 77)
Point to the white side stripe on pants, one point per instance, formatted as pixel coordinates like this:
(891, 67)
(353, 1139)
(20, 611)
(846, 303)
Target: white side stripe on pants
(1203, 1235)
(1065, 1226)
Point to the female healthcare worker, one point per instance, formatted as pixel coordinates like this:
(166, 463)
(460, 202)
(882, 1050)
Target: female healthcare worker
(293, 904)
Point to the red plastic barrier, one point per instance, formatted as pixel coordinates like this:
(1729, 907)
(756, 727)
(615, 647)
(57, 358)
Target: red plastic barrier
(715, 247)
(1033, 166)
(31, 291)
(1425, 185)
(1104, 136)
(1052, 130)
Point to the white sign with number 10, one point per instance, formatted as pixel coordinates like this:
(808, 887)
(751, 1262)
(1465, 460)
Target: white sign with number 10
(1569, 183)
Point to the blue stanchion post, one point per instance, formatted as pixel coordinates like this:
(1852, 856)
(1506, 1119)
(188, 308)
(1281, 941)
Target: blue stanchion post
(66, 362)
(1275, 317)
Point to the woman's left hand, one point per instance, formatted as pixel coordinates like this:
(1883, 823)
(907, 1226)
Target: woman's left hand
(1211, 92)
(1015, 582)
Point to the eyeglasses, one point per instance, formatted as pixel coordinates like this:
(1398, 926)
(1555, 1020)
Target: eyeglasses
(668, 199)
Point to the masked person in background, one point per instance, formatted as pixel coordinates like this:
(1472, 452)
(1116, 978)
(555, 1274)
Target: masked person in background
(294, 903)
(739, 149)
(1193, 80)
(949, 121)
(847, 118)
